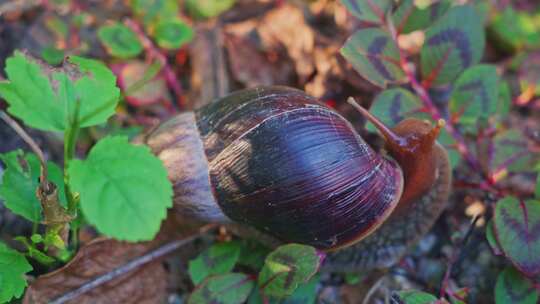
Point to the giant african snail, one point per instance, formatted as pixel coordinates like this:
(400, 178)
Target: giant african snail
(277, 160)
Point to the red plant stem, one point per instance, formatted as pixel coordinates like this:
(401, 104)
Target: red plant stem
(422, 93)
(153, 52)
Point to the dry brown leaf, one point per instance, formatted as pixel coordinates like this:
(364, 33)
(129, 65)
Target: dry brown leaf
(286, 26)
(146, 284)
(252, 67)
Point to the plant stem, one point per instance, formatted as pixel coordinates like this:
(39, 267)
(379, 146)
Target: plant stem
(424, 96)
(154, 53)
(70, 142)
(33, 145)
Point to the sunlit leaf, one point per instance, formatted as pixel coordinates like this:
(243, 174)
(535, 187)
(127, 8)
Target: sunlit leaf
(124, 190)
(475, 95)
(455, 42)
(287, 267)
(83, 84)
(517, 228)
(220, 258)
(368, 10)
(375, 56)
(120, 41)
(513, 288)
(514, 30)
(231, 288)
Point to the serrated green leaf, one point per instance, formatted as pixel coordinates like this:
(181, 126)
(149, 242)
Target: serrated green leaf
(475, 95)
(455, 42)
(96, 91)
(220, 258)
(19, 184)
(393, 105)
(517, 229)
(152, 11)
(51, 102)
(375, 56)
(492, 240)
(414, 297)
(408, 17)
(208, 8)
(172, 34)
(124, 190)
(231, 288)
(120, 41)
(369, 10)
(287, 267)
(513, 288)
(13, 267)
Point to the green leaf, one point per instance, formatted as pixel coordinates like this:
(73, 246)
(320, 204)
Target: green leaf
(19, 184)
(373, 11)
(475, 95)
(538, 186)
(253, 254)
(513, 288)
(375, 56)
(455, 42)
(124, 190)
(96, 91)
(305, 294)
(152, 11)
(51, 103)
(172, 34)
(120, 41)
(414, 297)
(514, 30)
(512, 153)
(220, 258)
(208, 8)
(287, 267)
(409, 17)
(517, 228)
(52, 55)
(504, 99)
(492, 240)
(231, 288)
(13, 267)
(449, 143)
(393, 105)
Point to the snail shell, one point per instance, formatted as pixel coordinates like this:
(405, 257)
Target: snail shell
(279, 161)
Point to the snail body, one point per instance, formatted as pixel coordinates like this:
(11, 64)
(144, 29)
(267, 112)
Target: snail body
(277, 160)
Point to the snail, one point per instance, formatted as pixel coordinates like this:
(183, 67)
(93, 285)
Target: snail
(278, 161)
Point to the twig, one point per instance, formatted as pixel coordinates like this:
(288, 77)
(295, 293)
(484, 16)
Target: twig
(33, 145)
(153, 52)
(130, 266)
(455, 257)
